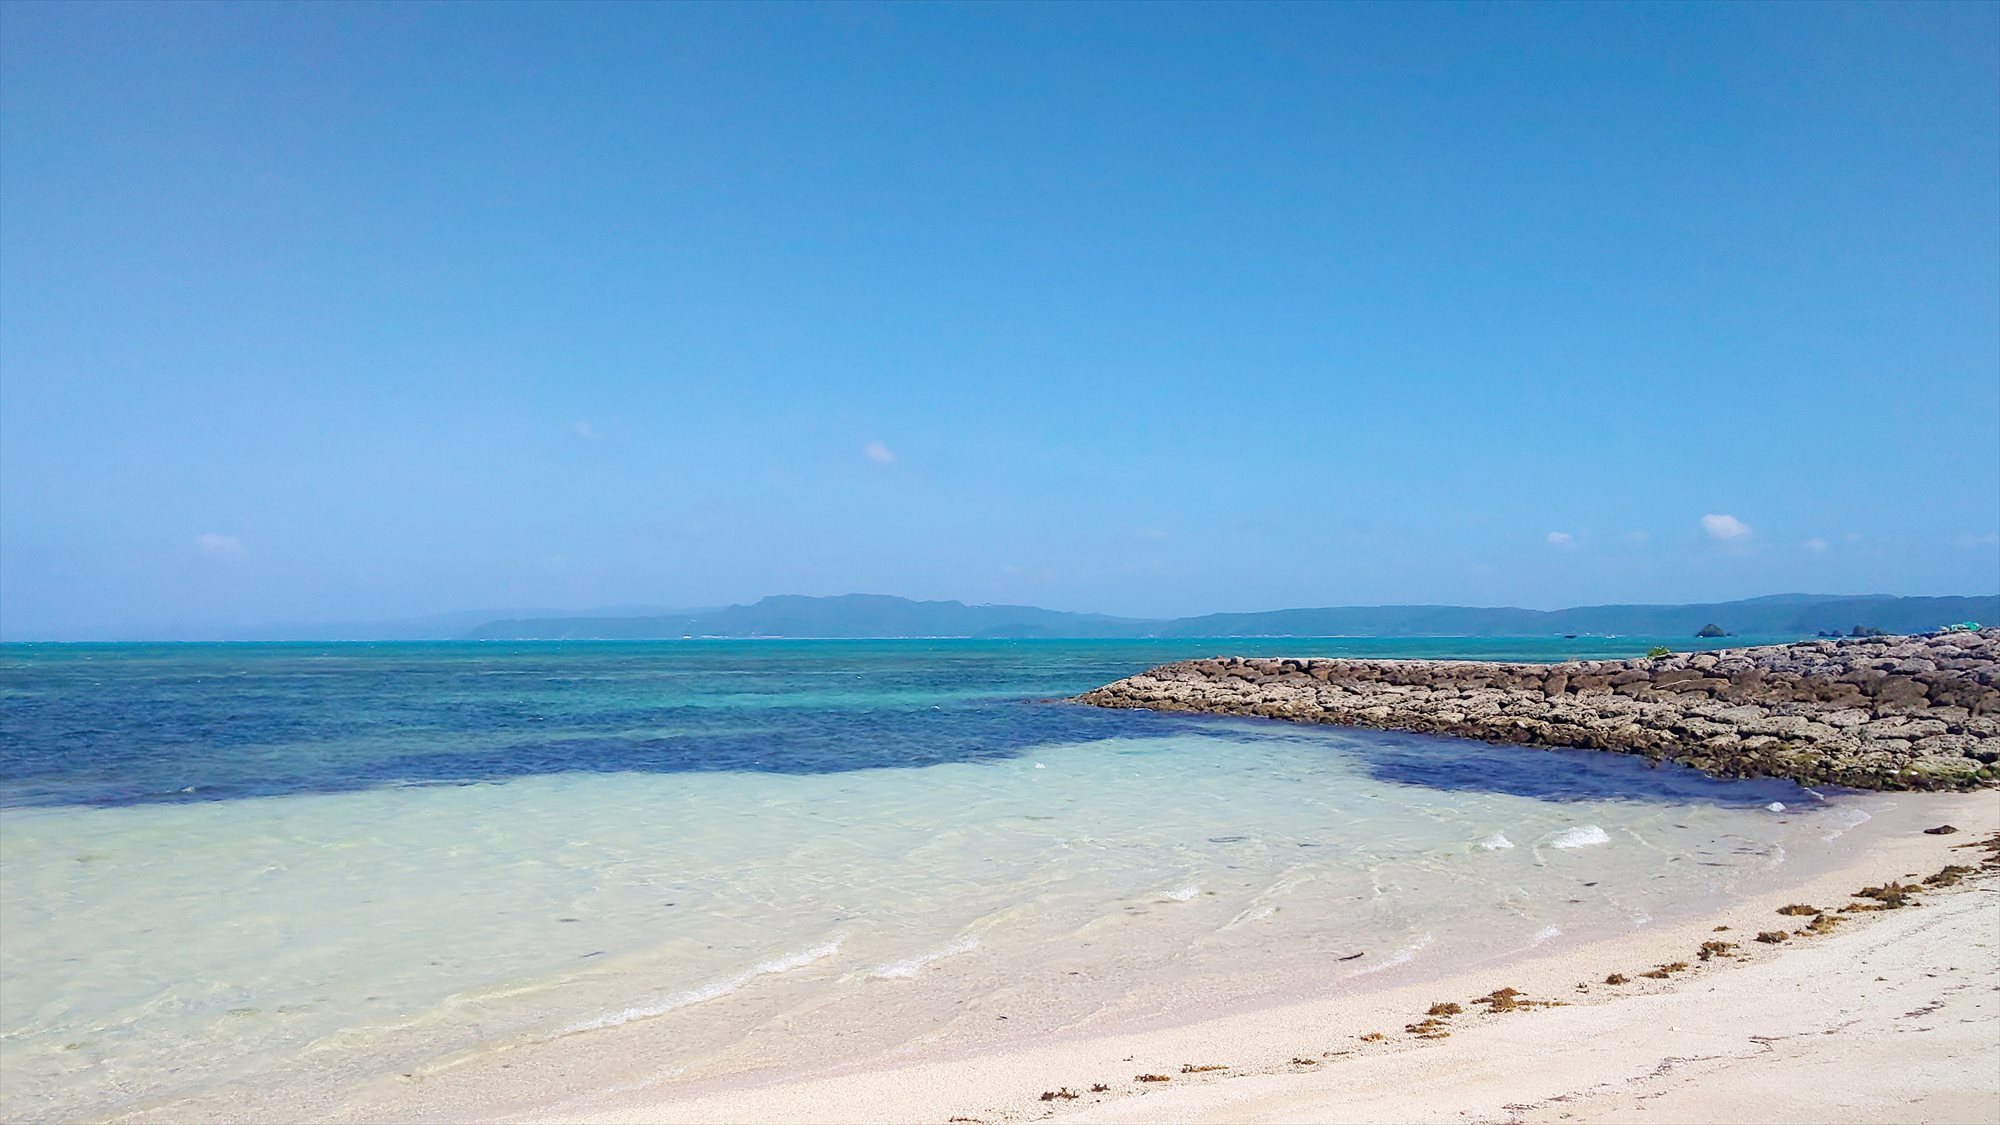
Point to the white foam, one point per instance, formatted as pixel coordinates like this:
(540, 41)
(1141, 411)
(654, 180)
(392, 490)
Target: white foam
(711, 991)
(1855, 818)
(1182, 893)
(908, 966)
(1583, 837)
(1402, 956)
(1496, 842)
(1775, 806)
(1546, 933)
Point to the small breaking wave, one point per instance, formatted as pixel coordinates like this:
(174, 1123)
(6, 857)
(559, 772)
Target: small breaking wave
(1182, 893)
(1402, 956)
(1496, 842)
(1853, 817)
(707, 992)
(909, 965)
(1584, 837)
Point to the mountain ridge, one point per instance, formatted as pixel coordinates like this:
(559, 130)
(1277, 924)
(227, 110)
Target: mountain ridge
(884, 616)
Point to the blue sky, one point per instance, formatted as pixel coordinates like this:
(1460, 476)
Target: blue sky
(347, 311)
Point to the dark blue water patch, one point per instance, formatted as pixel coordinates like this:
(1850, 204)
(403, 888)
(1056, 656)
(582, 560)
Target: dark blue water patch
(131, 724)
(118, 725)
(1548, 774)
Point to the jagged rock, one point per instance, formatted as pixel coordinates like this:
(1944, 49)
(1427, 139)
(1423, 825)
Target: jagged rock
(1872, 712)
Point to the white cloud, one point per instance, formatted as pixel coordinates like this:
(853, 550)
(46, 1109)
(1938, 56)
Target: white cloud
(1718, 526)
(877, 452)
(1814, 544)
(584, 430)
(210, 543)
(1561, 539)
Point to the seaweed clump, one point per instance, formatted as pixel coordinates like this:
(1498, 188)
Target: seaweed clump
(1190, 1068)
(1714, 948)
(1666, 970)
(1444, 1008)
(1990, 845)
(1066, 1094)
(1510, 999)
(1773, 937)
(1889, 896)
(1373, 1037)
(1151, 1078)
(1798, 909)
(1617, 978)
(1427, 1028)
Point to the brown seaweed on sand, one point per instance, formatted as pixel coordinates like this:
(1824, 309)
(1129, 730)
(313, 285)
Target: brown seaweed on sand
(1428, 1029)
(1951, 874)
(1509, 999)
(1713, 948)
(1773, 937)
(1889, 896)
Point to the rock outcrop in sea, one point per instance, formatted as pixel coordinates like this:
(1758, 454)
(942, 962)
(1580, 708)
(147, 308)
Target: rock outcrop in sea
(1873, 713)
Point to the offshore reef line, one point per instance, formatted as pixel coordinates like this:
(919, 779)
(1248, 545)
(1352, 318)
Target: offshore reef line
(1871, 713)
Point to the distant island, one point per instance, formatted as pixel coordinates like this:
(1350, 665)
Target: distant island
(871, 616)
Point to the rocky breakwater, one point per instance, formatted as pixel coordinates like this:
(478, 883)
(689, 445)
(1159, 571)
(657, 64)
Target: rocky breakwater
(1874, 713)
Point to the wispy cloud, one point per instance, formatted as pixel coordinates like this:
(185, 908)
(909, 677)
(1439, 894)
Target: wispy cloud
(584, 430)
(219, 546)
(1725, 527)
(1561, 539)
(877, 452)
(1815, 544)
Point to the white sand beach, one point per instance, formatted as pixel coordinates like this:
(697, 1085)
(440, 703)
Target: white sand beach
(1894, 1016)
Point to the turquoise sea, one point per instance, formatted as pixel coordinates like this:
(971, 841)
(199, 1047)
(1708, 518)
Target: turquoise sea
(233, 873)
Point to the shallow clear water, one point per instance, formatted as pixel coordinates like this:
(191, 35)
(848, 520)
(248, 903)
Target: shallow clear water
(311, 864)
